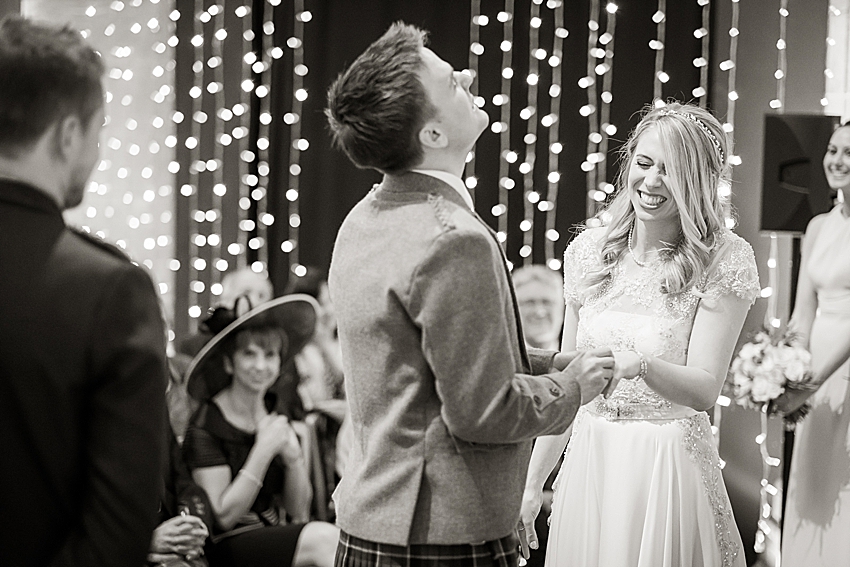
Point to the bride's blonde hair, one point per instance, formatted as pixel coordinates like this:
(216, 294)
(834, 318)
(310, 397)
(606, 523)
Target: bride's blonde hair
(696, 159)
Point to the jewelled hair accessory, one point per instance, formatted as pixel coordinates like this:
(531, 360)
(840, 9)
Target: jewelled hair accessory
(702, 126)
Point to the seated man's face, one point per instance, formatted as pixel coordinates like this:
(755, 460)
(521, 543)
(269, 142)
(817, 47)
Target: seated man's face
(542, 311)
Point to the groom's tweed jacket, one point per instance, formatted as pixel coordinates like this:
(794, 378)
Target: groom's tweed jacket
(443, 404)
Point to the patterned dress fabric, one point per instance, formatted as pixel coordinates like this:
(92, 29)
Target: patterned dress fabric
(817, 513)
(641, 484)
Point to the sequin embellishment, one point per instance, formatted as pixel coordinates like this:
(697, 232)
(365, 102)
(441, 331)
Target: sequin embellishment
(698, 444)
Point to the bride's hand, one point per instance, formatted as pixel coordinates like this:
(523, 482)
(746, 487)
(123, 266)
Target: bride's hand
(626, 367)
(532, 501)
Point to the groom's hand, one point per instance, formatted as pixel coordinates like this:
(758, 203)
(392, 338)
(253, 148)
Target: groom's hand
(563, 359)
(592, 370)
(532, 501)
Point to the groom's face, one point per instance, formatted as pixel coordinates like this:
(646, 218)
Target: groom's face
(456, 116)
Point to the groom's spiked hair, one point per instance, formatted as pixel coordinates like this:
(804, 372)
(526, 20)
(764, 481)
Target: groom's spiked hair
(377, 106)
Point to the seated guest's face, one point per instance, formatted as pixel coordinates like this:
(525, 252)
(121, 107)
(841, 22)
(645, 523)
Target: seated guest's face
(448, 92)
(255, 362)
(542, 312)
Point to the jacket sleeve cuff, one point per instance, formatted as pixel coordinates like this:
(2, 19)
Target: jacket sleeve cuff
(541, 360)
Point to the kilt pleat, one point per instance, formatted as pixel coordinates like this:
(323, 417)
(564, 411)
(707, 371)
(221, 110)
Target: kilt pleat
(355, 552)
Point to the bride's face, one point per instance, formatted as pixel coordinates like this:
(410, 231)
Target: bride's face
(836, 160)
(648, 180)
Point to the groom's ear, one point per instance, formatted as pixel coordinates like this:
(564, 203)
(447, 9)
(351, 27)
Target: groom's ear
(432, 136)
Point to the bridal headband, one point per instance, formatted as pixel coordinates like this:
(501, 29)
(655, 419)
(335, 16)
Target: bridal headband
(702, 126)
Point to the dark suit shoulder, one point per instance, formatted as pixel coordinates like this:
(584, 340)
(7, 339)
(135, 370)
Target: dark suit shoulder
(98, 244)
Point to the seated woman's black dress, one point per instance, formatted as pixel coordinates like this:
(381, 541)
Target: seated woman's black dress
(261, 537)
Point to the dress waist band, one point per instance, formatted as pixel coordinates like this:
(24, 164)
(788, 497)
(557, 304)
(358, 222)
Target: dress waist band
(618, 409)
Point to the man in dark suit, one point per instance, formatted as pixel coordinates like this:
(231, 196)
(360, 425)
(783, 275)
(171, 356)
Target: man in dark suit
(82, 347)
(444, 396)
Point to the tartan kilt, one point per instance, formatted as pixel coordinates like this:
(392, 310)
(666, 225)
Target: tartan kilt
(355, 552)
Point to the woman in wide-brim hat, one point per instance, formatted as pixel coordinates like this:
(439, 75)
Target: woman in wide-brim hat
(246, 457)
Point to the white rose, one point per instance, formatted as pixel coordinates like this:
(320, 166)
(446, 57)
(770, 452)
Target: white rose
(794, 362)
(750, 351)
(769, 369)
(765, 390)
(749, 367)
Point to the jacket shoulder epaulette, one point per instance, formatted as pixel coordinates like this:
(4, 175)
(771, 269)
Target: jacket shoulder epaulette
(100, 243)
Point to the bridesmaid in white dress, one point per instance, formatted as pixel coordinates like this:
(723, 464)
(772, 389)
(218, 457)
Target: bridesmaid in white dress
(817, 516)
(667, 287)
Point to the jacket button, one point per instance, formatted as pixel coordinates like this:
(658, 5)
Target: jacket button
(555, 392)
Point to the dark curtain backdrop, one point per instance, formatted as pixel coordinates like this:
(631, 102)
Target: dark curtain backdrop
(330, 185)
(342, 29)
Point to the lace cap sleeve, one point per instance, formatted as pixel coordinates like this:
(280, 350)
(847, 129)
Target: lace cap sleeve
(580, 257)
(734, 271)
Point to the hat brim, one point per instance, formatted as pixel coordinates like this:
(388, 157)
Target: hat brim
(296, 314)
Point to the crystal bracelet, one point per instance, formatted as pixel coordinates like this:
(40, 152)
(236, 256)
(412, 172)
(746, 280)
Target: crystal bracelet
(641, 375)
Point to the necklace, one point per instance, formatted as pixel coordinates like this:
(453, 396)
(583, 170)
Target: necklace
(632, 252)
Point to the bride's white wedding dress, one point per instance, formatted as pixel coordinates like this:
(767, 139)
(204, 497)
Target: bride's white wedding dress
(641, 484)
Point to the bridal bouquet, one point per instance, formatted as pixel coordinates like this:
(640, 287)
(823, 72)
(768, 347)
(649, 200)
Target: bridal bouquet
(766, 367)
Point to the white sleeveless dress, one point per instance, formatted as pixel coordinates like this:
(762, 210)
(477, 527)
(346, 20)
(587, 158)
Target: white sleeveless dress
(817, 514)
(641, 484)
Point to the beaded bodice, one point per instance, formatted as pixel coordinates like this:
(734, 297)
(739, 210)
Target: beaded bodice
(629, 311)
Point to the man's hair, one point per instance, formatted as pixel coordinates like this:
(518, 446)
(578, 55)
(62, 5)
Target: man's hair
(48, 73)
(378, 105)
(538, 273)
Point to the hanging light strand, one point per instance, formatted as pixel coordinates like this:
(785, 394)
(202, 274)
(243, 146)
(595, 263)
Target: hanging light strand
(604, 188)
(725, 191)
(529, 114)
(216, 87)
(660, 19)
(588, 82)
(476, 49)
(298, 144)
(835, 99)
(731, 65)
(503, 126)
(247, 156)
(550, 205)
(262, 98)
(778, 103)
(703, 34)
(771, 320)
(193, 143)
(767, 490)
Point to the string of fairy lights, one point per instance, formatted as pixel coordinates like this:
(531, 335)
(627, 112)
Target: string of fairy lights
(728, 65)
(701, 62)
(660, 77)
(529, 115)
(130, 194)
(297, 143)
(261, 74)
(836, 99)
(549, 204)
(502, 127)
(476, 50)
(767, 490)
(222, 237)
(588, 83)
(596, 162)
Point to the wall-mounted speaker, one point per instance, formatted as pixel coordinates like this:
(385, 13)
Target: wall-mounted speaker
(794, 187)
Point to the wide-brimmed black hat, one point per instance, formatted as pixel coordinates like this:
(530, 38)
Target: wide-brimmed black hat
(295, 314)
